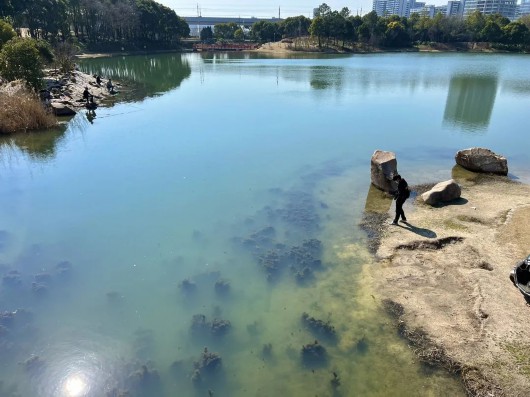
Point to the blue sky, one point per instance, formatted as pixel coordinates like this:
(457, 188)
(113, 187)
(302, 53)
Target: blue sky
(261, 8)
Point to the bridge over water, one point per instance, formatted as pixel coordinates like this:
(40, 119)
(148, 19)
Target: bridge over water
(199, 22)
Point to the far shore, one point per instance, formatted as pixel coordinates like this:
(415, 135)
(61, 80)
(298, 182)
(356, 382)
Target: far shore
(286, 47)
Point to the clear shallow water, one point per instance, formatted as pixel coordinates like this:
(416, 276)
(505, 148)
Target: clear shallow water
(207, 150)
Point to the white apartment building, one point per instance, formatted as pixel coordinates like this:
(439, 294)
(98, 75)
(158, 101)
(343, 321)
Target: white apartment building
(455, 8)
(487, 7)
(523, 8)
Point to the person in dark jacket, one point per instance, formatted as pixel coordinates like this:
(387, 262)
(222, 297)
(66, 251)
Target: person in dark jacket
(400, 196)
(87, 96)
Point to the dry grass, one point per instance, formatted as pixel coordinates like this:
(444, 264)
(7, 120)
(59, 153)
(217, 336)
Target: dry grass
(21, 110)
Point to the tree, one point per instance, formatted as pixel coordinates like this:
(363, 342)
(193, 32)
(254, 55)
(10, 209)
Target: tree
(475, 23)
(516, 33)
(65, 56)
(206, 33)
(264, 31)
(225, 31)
(296, 26)
(491, 32)
(239, 35)
(20, 59)
(323, 10)
(396, 35)
(525, 19)
(317, 29)
(6, 33)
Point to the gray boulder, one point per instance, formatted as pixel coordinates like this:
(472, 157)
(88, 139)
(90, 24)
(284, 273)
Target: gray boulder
(482, 160)
(383, 167)
(443, 191)
(60, 109)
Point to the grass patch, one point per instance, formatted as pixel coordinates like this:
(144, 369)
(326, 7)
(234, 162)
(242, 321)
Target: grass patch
(452, 225)
(22, 110)
(521, 353)
(471, 219)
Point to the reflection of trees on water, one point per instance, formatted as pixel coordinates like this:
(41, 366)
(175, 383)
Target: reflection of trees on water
(470, 101)
(518, 87)
(325, 77)
(40, 145)
(151, 74)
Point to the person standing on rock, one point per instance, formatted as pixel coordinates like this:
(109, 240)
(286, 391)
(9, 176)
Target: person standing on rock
(401, 195)
(87, 96)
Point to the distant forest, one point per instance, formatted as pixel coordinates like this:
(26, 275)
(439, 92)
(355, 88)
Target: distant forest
(97, 23)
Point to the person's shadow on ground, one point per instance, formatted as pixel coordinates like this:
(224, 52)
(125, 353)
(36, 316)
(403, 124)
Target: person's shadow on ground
(418, 230)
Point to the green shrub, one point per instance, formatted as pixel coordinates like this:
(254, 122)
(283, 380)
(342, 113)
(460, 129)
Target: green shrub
(6, 33)
(20, 59)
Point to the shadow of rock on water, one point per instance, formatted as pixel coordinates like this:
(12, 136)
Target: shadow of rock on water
(418, 230)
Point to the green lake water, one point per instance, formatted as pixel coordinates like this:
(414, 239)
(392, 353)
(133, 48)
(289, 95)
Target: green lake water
(210, 167)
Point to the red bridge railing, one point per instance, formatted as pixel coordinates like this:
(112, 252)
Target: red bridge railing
(225, 47)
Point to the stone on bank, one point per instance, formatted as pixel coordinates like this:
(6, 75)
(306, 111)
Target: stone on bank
(442, 192)
(482, 160)
(383, 168)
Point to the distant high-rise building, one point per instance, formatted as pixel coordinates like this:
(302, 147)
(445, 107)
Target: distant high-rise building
(379, 6)
(523, 8)
(454, 8)
(397, 7)
(487, 7)
(423, 10)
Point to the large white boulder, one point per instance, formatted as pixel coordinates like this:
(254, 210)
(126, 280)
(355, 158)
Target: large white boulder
(383, 167)
(482, 160)
(442, 192)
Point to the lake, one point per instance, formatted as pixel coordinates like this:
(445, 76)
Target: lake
(192, 238)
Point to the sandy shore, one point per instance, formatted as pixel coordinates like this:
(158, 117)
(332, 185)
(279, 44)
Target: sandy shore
(444, 279)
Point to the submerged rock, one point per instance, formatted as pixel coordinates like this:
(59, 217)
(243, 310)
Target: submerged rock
(199, 324)
(220, 327)
(32, 364)
(43, 278)
(314, 354)
(266, 351)
(187, 286)
(64, 268)
(12, 279)
(271, 261)
(115, 392)
(39, 289)
(320, 327)
(143, 378)
(222, 287)
(208, 362)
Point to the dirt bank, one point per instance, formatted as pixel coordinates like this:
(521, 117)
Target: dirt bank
(444, 278)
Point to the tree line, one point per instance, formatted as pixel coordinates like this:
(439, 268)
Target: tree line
(96, 21)
(340, 28)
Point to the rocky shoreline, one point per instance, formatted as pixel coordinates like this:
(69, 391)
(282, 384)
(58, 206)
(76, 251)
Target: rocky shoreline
(63, 92)
(443, 278)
